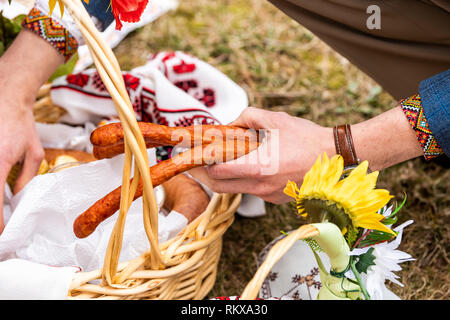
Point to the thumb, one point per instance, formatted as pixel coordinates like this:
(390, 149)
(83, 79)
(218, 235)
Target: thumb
(253, 118)
(33, 159)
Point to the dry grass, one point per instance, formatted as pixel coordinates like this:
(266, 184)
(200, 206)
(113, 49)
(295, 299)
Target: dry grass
(283, 66)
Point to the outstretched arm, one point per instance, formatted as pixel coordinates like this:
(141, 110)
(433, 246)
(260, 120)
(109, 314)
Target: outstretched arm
(295, 143)
(25, 66)
(46, 41)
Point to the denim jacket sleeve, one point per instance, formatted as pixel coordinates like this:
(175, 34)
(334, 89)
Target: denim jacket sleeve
(435, 95)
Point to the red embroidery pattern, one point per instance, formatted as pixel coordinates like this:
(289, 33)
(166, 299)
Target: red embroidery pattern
(185, 85)
(172, 61)
(131, 81)
(158, 118)
(163, 67)
(232, 298)
(78, 79)
(184, 67)
(168, 56)
(97, 82)
(189, 121)
(209, 97)
(149, 111)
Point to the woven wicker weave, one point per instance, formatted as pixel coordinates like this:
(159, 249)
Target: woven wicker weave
(44, 110)
(183, 267)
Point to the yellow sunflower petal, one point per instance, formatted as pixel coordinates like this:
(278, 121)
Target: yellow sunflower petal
(337, 163)
(376, 200)
(366, 184)
(61, 7)
(291, 189)
(359, 204)
(315, 176)
(347, 187)
(310, 178)
(361, 169)
(51, 5)
(332, 175)
(374, 225)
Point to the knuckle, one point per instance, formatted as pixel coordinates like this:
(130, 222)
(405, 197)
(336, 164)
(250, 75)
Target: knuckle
(282, 115)
(263, 190)
(217, 187)
(247, 114)
(213, 171)
(37, 153)
(254, 172)
(250, 110)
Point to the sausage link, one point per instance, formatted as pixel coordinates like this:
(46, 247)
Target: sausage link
(217, 152)
(108, 140)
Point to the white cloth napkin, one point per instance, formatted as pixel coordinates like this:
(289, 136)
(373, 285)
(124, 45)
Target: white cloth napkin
(61, 136)
(39, 228)
(25, 280)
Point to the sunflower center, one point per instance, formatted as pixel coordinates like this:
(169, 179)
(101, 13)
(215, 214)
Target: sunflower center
(323, 211)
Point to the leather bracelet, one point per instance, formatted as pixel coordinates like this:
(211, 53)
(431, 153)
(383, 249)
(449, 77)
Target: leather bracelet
(344, 145)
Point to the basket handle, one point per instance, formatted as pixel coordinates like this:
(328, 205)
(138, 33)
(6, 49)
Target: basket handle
(135, 149)
(275, 254)
(330, 239)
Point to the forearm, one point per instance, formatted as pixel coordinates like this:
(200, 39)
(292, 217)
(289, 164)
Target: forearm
(33, 59)
(386, 140)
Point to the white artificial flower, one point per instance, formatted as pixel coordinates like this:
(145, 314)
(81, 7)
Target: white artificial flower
(387, 260)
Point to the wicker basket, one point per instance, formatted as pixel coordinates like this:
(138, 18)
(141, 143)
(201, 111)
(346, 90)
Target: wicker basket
(274, 255)
(182, 268)
(189, 274)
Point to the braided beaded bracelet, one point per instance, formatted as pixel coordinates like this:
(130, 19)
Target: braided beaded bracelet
(412, 107)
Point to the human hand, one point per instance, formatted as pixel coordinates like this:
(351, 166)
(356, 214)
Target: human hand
(24, 67)
(289, 150)
(295, 144)
(19, 142)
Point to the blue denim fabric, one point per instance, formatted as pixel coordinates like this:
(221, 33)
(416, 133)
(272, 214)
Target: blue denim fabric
(435, 95)
(100, 9)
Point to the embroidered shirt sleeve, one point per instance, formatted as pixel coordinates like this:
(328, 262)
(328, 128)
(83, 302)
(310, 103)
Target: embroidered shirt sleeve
(52, 31)
(61, 31)
(412, 107)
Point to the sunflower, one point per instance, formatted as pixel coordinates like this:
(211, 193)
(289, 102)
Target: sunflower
(352, 202)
